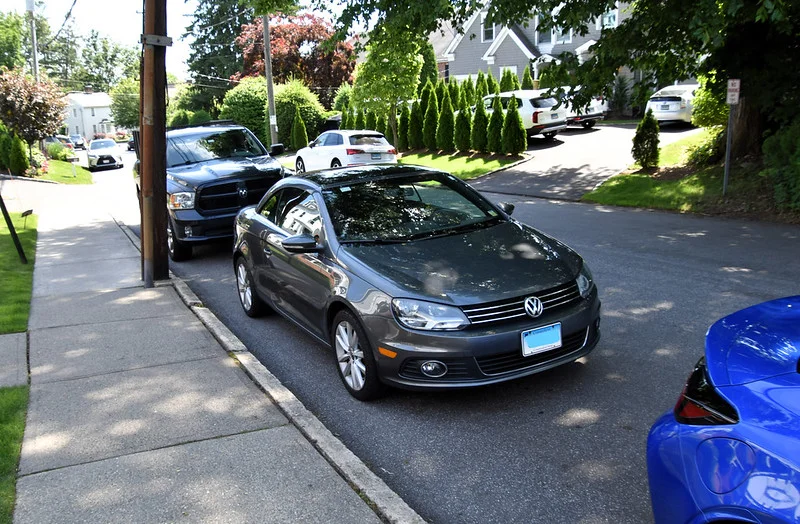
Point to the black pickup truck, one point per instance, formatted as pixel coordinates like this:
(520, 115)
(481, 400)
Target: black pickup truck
(213, 170)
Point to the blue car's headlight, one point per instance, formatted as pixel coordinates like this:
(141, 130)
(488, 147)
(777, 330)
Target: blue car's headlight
(585, 281)
(418, 314)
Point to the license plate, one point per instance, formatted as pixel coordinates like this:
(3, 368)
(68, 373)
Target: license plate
(541, 339)
(376, 156)
(105, 162)
(554, 117)
(665, 107)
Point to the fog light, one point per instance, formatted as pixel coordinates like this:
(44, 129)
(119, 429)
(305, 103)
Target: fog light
(433, 368)
(187, 231)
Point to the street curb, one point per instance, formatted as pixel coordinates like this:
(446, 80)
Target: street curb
(527, 158)
(25, 178)
(385, 502)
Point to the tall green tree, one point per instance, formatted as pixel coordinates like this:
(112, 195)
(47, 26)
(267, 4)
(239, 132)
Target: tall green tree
(299, 134)
(388, 76)
(11, 40)
(527, 79)
(463, 124)
(104, 62)
(494, 133)
(469, 89)
(125, 103)
(515, 139)
(445, 130)
(427, 92)
(481, 87)
(492, 84)
(402, 128)
(415, 123)
(430, 70)
(430, 123)
(480, 123)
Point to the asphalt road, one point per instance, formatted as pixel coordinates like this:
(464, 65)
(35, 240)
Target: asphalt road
(566, 445)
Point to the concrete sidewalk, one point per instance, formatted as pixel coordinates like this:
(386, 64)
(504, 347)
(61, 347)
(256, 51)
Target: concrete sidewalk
(144, 408)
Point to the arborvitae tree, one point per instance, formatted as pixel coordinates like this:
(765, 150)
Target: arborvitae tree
(455, 91)
(359, 124)
(425, 97)
(492, 83)
(515, 139)
(402, 128)
(480, 123)
(463, 124)
(495, 131)
(18, 161)
(469, 90)
(515, 81)
(481, 87)
(441, 87)
(299, 134)
(645, 141)
(380, 127)
(371, 121)
(446, 128)
(343, 121)
(415, 140)
(527, 79)
(430, 124)
(506, 83)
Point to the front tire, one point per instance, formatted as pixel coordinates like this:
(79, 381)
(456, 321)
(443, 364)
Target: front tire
(299, 166)
(354, 358)
(178, 251)
(248, 297)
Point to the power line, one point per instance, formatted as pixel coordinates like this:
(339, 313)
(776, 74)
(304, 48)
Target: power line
(63, 24)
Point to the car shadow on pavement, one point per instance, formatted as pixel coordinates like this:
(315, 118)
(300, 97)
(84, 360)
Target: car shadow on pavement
(541, 143)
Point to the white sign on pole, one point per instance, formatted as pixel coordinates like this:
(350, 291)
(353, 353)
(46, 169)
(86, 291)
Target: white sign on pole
(734, 84)
(29, 5)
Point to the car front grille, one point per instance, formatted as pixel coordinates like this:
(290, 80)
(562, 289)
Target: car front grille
(505, 310)
(514, 361)
(233, 195)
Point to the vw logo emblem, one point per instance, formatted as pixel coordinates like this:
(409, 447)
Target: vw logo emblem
(533, 307)
(242, 192)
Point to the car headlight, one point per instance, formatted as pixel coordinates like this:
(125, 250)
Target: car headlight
(180, 200)
(418, 314)
(585, 281)
(91, 155)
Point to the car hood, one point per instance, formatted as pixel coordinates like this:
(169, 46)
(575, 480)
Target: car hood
(756, 343)
(195, 175)
(504, 261)
(113, 151)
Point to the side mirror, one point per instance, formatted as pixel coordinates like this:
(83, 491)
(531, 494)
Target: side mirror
(276, 149)
(301, 244)
(506, 207)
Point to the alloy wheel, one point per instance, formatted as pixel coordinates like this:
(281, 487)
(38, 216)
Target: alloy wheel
(243, 285)
(350, 356)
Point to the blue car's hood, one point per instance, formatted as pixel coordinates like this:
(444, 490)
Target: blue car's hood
(756, 343)
(499, 262)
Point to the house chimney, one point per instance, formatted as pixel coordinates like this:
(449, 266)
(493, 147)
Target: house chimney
(88, 89)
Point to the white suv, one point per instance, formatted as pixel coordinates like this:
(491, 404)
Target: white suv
(537, 109)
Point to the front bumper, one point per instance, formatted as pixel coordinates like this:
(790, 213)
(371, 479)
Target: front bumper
(488, 355)
(201, 228)
(105, 161)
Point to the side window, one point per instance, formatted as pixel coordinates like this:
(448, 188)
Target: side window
(335, 140)
(487, 103)
(301, 215)
(323, 138)
(270, 206)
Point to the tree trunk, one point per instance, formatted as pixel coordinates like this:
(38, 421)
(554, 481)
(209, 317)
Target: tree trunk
(748, 126)
(393, 122)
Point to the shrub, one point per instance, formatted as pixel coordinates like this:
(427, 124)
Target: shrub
(359, 119)
(371, 121)
(342, 98)
(710, 151)
(619, 95)
(430, 124)
(709, 107)
(441, 87)
(289, 97)
(57, 152)
(494, 133)
(491, 83)
(299, 135)
(463, 125)
(425, 97)
(481, 87)
(468, 88)
(5, 147)
(415, 139)
(244, 104)
(180, 118)
(18, 161)
(446, 126)
(201, 116)
(403, 128)
(645, 141)
(506, 82)
(455, 91)
(782, 161)
(515, 139)
(381, 127)
(480, 122)
(527, 79)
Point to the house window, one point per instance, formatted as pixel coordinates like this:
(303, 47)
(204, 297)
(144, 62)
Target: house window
(487, 30)
(92, 111)
(94, 128)
(609, 19)
(543, 36)
(563, 36)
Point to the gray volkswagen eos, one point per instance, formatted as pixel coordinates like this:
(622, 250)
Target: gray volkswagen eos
(414, 279)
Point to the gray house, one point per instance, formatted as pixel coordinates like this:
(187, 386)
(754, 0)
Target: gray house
(491, 47)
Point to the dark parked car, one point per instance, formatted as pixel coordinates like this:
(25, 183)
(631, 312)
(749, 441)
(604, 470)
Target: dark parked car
(213, 171)
(414, 278)
(78, 141)
(730, 449)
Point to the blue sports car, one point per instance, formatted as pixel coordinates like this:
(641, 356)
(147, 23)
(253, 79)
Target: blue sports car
(729, 452)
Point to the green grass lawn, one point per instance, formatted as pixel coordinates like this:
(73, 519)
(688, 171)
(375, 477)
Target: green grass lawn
(16, 278)
(61, 172)
(464, 167)
(677, 153)
(13, 409)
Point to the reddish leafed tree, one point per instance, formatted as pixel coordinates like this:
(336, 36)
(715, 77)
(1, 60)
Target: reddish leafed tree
(32, 110)
(300, 50)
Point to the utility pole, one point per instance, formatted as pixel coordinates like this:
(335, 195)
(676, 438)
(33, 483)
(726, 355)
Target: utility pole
(153, 143)
(273, 120)
(29, 7)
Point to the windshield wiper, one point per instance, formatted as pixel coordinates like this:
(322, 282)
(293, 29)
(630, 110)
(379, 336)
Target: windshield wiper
(392, 240)
(455, 230)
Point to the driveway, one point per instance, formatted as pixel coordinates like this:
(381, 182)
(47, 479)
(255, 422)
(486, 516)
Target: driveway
(572, 164)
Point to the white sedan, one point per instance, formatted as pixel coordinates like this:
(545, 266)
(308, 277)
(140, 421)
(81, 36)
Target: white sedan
(104, 153)
(345, 148)
(673, 103)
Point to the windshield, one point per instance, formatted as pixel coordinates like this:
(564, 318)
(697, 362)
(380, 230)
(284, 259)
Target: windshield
(102, 144)
(210, 145)
(405, 208)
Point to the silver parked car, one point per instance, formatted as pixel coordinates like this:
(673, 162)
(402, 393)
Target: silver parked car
(414, 279)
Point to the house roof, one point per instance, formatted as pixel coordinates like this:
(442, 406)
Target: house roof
(441, 39)
(90, 99)
(517, 37)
